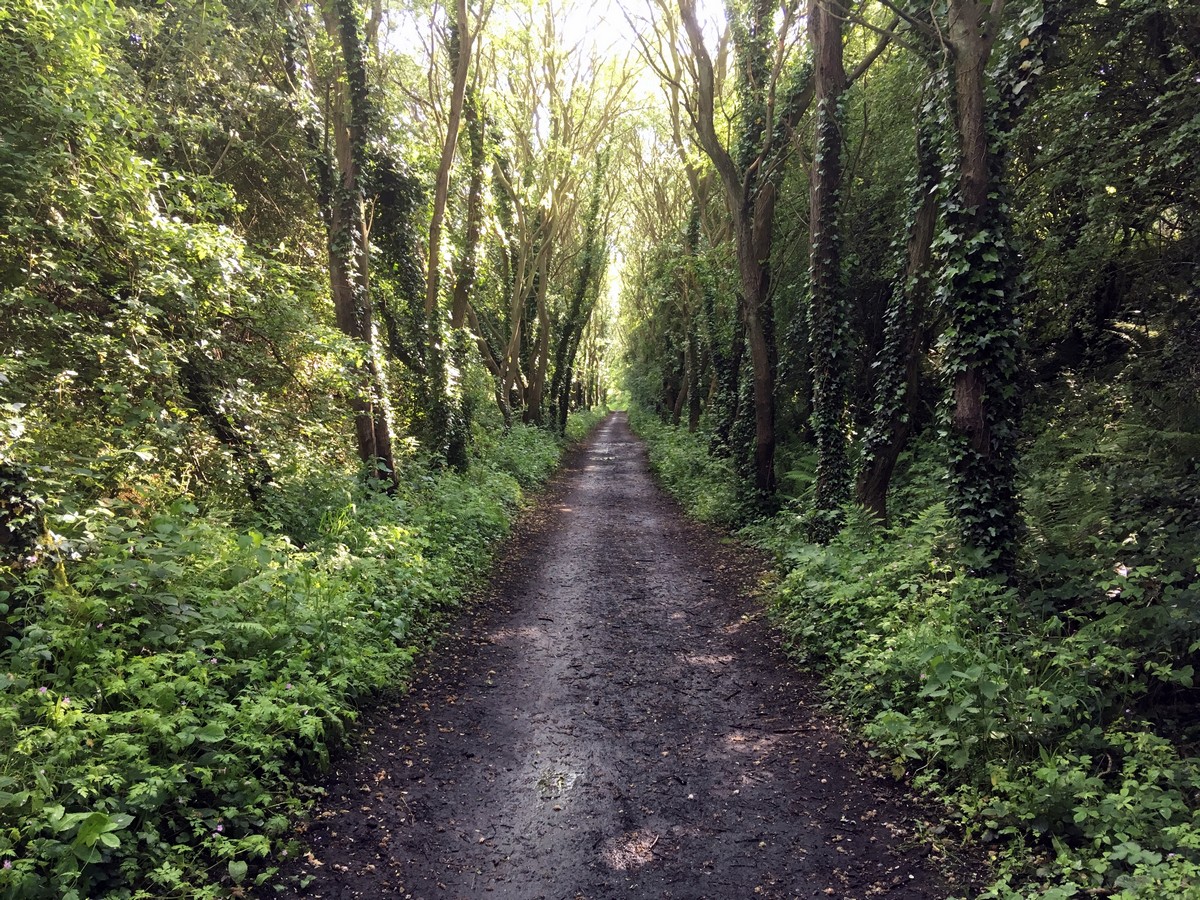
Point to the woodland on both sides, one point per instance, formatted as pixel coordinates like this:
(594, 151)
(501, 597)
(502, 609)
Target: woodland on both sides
(301, 300)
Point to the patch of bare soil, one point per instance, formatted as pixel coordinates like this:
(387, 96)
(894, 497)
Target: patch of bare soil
(614, 720)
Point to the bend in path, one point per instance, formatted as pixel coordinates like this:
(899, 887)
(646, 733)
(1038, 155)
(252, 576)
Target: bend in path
(614, 721)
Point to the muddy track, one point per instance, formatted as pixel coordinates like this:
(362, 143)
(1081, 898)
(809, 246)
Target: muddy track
(613, 720)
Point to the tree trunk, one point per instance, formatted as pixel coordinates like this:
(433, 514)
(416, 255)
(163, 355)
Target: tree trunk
(981, 353)
(694, 398)
(460, 60)
(728, 372)
(348, 260)
(906, 338)
(464, 281)
(754, 234)
(436, 435)
(751, 199)
(540, 351)
(578, 310)
(828, 309)
(971, 51)
(681, 384)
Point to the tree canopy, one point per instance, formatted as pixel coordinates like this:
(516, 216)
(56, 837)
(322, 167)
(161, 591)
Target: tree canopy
(296, 297)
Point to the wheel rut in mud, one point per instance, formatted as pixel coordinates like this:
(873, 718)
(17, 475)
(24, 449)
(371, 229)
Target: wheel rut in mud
(614, 719)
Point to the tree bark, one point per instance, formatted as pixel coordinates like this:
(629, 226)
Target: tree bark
(981, 350)
(906, 338)
(537, 362)
(578, 309)
(460, 58)
(971, 46)
(694, 398)
(753, 243)
(751, 200)
(681, 389)
(349, 266)
(464, 280)
(828, 308)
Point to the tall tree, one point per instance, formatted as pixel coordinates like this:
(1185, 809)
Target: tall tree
(558, 112)
(589, 273)
(979, 291)
(461, 39)
(750, 191)
(906, 331)
(774, 92)
(349, 258)
(828, 307)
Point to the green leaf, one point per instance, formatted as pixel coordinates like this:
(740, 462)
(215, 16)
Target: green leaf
(211, 733)
(85, 854)
(93, 826)
(237, 870)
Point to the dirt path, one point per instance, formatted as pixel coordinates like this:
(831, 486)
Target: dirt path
(614, 721)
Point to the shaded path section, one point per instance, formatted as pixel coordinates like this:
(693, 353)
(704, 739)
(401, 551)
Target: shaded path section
(613, 721)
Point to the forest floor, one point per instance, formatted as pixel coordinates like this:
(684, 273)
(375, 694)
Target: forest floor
(614, 718)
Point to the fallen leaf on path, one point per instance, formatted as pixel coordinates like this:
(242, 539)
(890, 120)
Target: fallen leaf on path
(630, 851)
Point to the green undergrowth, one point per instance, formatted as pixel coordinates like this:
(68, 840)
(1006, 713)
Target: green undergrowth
(581, 423)
(167, 678)
(706, 485)
(1056, 714)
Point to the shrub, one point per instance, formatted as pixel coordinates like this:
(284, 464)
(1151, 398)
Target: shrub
(167, 676)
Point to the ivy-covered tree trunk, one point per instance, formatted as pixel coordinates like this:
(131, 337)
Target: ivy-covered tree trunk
(459, 430)
(437, 427)
(464, 280)
(727, 369)
(579, 309)
(754, 228)
(460, 61)
(538, 346)
(906, 338)
(694, 372)
(699, 318)
(828, 309)
(349, 265)
(980, 346)
(679, 384)
(750, 193)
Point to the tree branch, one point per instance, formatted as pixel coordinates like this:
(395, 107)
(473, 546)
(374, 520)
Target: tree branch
(886, 36)
(726, 168)
(928, 30)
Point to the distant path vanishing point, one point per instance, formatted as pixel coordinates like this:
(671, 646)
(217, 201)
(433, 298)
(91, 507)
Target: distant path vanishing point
(613, 720)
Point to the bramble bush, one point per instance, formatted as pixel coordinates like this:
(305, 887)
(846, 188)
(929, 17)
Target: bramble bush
(165, 679)
(581, 422)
